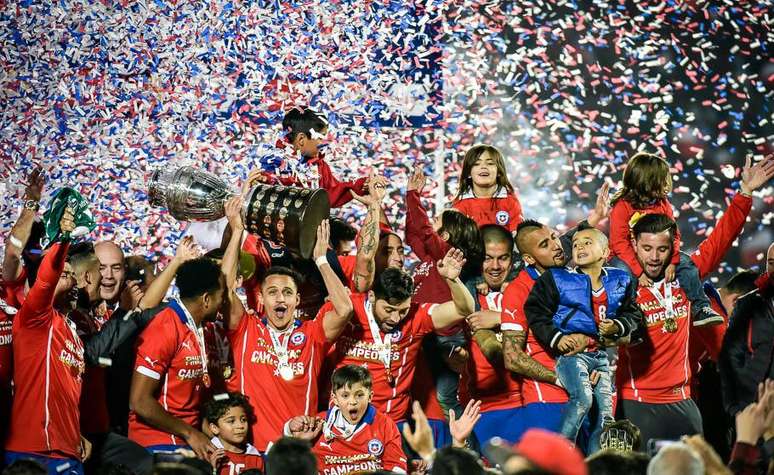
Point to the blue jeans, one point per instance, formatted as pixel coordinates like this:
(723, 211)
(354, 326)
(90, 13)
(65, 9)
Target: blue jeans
(573, 372)
(54, 466)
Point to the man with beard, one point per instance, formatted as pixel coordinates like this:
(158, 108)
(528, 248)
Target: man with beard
(50, 358)
(654, 376)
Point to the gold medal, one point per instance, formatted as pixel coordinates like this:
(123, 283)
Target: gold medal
(670, 325)
(227, 370)
(206, 380)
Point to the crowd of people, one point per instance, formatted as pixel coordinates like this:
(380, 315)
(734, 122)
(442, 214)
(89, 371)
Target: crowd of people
(507, 348)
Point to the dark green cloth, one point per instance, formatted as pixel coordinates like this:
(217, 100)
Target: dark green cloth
(63, 198)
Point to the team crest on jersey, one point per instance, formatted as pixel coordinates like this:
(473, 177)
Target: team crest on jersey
(396, 335)
(502, 218)
(297, 338)
(375, 447)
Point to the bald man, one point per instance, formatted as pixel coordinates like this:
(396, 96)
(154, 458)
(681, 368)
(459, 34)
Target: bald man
(113, 270)
(747, 356)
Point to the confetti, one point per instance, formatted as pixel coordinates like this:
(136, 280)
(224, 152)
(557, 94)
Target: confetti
(100, 93)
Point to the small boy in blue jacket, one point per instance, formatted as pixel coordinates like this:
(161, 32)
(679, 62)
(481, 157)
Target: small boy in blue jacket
(575, 313)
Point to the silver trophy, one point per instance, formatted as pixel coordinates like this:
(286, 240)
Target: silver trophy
(286, 215)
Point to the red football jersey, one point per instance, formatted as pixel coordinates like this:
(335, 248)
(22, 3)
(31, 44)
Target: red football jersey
(657, 370)
(48, 370)
(513, 318)
(234, 464)
(357, 346)
(168, 351)
(274, 399)
(495, 386)
(503, 209)
(375, 444)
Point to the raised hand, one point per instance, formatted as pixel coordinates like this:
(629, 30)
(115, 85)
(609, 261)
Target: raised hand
(233, 209)
(451, 265)
(421, 438)
(755, 176)
(461, 428)
(187, 249)
(67, 223)
(35, 183)
(602, 206)
(323, 237)
(254, 177)
(417, 180)
(377, 189)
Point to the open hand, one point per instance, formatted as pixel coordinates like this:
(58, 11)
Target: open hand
(461, 428)
(187, 249)
(602, 206)
(755, 176)
(645, 281)
(450, 266)
(417, 180)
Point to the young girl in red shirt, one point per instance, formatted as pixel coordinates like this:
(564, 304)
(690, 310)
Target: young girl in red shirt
(485, 193)
(646, 185)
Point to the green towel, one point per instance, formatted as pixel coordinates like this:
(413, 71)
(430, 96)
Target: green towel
(84, 222)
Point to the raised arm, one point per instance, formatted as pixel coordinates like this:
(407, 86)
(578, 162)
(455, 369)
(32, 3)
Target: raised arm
(712, 250)
(335, 320)
(21, 230)
(365, 268)
(425, 242)
(462, 303)
(236, 309)
(157, 290)
(40, 299)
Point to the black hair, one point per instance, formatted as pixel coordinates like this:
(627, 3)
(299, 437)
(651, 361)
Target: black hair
(496, 233)
(524, 228)
(301, 121)
(25, 467)
(393, 285)
(341, 231)
(655, 223)
(616, 462)
(742, 282)
(351, 374)
(289, 456)
(464, 235)
(198, 277)
(281, 270)
(456, 461)
(216, 408)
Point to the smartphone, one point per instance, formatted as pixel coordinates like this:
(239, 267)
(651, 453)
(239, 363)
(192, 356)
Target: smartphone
(654, 445)
(135, 273)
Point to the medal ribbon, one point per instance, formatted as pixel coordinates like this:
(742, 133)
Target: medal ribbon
(199, 334)
(280, 346)
(665, 300)
(384, 344)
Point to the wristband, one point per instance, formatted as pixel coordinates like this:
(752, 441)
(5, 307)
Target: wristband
(321, 260)
(744, 193)
(15, 241)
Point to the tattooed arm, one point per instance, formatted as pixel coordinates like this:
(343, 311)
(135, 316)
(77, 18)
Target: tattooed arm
(369, 235)
(490, 347)
(519, 362)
